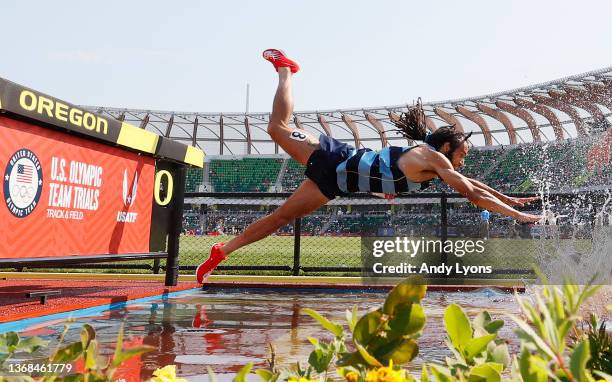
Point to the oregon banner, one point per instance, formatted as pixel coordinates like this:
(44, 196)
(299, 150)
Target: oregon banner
(50, 111)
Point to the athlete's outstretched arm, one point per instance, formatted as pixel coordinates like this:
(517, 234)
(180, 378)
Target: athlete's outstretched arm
(509, 200)
(479, 196)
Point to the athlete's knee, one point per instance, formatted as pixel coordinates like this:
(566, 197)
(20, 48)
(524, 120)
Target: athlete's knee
(277, 127)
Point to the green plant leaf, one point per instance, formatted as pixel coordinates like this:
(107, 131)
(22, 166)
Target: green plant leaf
(241, 376)
(265, 375)
(367, 326)
(340, 345)
(525, 332)
(409, 319)
(424, 374)
(78, 377)
(11, 341)
(411, 290)
(87, 334)
(343, 371)
(602, 375)
(327, 324)
(320, 359)
(457, 326)
(211, 375)
(532, 314)
(91, 355)
(24, 378)
(351, 359)
(402, 353)
(494, 326)
(495, 365)
(475, 346)
(578, 361)
(367, 356)
(550, 327)
(501, 354)
(481, 319)
(587, 292)
(31, 344)
(563, 329)
(124, 355)
(557, 302)
(119, 342)
(529, 368)
(68, 353)
(485, 372)
(441, 374)
(351, 318)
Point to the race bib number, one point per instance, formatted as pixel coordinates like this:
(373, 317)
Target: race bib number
(298, 136)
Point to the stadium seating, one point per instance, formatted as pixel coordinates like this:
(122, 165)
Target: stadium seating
(520, 168)
(193, 179)
(244, 175)
(293, 176)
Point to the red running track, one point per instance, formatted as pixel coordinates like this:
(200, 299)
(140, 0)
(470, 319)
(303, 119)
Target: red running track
(75, 294)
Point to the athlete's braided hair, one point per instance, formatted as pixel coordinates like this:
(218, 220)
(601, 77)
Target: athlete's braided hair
(412, 126)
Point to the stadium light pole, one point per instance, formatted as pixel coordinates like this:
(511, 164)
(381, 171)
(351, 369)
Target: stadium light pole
(247, 99)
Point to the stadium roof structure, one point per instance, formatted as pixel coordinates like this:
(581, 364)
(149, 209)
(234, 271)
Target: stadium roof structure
(569, 107)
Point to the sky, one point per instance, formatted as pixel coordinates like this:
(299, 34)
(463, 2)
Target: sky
(199, 55)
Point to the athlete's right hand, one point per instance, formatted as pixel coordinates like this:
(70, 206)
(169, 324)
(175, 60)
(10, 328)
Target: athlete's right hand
(529, 218)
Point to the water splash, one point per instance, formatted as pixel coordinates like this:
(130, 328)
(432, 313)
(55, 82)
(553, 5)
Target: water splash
(575, 239)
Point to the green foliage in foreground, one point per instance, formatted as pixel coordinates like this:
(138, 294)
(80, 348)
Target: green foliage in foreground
(600, 342)
(95, 367)
(373, 347)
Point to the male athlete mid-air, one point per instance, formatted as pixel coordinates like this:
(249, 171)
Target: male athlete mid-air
(335, 169)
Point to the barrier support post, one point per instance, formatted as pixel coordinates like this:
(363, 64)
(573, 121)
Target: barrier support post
(176, 226)
(297, 228)
(156, 266)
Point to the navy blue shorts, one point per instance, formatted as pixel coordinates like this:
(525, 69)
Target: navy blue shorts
(321, 166)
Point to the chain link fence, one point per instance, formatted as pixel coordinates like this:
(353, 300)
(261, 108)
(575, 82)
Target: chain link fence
(329, 241)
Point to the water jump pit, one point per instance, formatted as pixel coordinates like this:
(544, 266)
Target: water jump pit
(225, 326)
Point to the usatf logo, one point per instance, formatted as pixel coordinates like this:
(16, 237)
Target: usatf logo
(129, 197)
(23, 182)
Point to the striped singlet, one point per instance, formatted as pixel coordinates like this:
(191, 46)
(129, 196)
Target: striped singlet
(366, 170)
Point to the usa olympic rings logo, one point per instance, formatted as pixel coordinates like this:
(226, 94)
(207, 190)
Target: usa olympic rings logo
(23, 183)
(23, 192)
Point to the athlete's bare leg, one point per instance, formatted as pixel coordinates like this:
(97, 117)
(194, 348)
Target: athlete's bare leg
(306, 199)
(299, 144)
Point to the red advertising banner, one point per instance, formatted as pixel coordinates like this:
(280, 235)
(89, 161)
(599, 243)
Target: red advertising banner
(67, 196)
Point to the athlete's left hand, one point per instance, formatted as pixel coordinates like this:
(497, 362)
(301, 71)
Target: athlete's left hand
(520, 202)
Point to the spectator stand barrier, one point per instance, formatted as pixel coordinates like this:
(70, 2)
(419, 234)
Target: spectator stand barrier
(82, 188)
